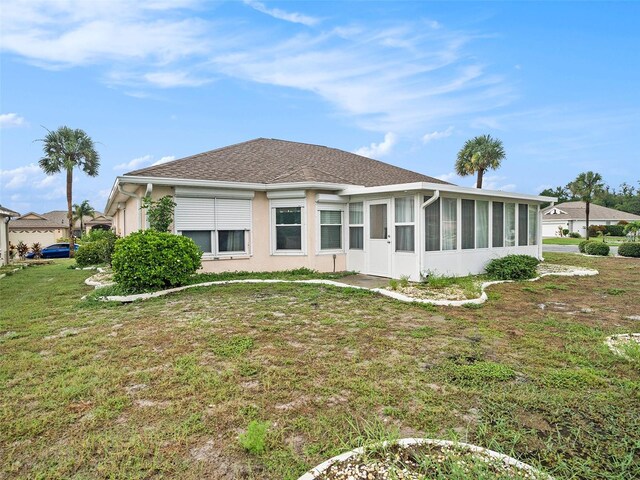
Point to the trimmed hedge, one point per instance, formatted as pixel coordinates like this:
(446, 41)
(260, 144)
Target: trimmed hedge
(613, 230)
(513, 267)
(629, 249)
(150, 260)
(596, 248)
(583, 244)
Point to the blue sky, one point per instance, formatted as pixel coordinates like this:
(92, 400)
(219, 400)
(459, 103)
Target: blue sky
(403, 82)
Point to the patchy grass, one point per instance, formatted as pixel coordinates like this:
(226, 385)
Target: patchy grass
(166, 387)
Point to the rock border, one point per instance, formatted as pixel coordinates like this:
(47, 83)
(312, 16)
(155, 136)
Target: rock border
(614, 341)
(314, 472)
(580, 272)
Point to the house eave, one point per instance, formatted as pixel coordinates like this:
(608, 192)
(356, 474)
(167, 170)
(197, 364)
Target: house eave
(422, 186)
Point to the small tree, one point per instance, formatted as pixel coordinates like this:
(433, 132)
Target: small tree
(23, 249)
(159, 212)
(586, 186)
(81, 211)
(37, 250)
(632, 229)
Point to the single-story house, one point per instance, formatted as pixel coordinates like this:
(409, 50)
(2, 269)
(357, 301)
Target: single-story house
(573, 217)
(5, 218)
(266, 205)
(47, 228)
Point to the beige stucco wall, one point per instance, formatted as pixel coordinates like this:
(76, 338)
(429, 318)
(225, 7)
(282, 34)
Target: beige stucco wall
(263, 260)
(131, 218)
(43, 237)
(4, 250)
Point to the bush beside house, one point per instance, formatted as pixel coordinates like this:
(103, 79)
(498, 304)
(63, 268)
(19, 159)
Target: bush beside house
(513, 267)
(153, 260)
(97, 248)
(596, 248)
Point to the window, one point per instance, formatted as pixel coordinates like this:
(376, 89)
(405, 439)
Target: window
(449, 224)
(467, 227)
(378, 221)
(482, 224)
(522, 224)
(405, 228)
(217, 225)
(288, 228)
(498, 224)
(356, 226)
(533, 224)
(231, 241)
(330, 229)
(432, 225)
(510, 225)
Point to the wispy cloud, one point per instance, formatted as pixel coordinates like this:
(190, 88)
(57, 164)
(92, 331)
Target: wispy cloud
(437, 135)
(144, 161)
(447, 177)
(18, 177)
(293, 17)
(496, 182)
(379, 150)
(11, 120)
(174, 79)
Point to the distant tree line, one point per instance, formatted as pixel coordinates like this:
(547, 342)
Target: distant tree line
(625, 198)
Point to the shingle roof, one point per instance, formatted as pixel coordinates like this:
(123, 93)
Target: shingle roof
(577, 211)
(279, 161)
(52, 219)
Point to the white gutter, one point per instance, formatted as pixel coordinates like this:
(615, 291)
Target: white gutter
(405, 187)
(436, 196)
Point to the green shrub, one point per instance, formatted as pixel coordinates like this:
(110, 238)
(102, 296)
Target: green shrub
(254, 440)
(513, 267)
(575, 235)
(150, 260)
(596, 248)
(583, 244)
(628, 249)
(97, 248)
(615, 230)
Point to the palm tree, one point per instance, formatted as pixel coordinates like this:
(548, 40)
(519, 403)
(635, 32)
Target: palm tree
(479, 154)
(81, 211)
(65, 149)
(586, 186)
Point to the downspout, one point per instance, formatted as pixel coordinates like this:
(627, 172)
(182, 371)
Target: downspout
(124, 217)
(436, 196)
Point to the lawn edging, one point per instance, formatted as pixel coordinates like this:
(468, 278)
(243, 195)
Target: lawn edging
(382, 291)
(324, 466)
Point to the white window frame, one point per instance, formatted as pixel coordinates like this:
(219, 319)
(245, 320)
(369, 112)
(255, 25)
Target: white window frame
(332, 208)
(404, 224)
(288, 203)
(215, 247)
(355, 225)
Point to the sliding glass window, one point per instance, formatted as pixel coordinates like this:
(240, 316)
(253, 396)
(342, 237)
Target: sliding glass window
(533, 224)
(467, 226)
(522, 224)
(498, 224)
(510, 225)
(449, 224)
(405, 228)
(432, 225)
(482, 224)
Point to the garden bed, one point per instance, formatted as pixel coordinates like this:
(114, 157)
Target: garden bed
(419, 459)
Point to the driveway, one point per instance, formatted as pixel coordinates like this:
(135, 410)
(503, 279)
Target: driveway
(570, 249)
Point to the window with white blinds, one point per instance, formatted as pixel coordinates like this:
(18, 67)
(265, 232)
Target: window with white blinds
(219, 226)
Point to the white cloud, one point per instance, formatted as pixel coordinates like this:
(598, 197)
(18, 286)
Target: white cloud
(437, 135)
(135, 163)
(282, 15)
(496, 182)
(447, 177)
(144, 161)
(378, 150)
(166, 159)
(11, 120)
(18, 177)
(174, 79)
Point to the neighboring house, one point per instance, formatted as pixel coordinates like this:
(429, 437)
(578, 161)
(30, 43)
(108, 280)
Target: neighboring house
(267, 204)
(47, 228)
(5, 218)
(573, 217)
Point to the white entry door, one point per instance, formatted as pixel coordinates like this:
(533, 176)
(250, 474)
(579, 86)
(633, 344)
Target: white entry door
(379, 251)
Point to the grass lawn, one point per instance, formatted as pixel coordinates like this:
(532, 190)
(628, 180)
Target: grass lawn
(164, 388)
(576, 241)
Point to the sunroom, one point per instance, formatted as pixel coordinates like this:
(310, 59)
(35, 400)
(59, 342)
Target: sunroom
(420, 229)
